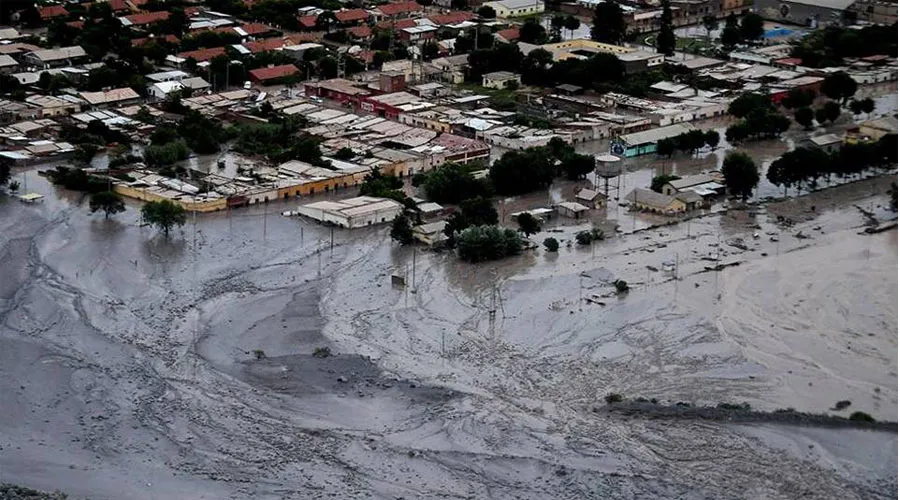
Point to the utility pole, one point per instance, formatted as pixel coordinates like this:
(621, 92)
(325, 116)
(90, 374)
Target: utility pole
(414, 270)
(492, 312)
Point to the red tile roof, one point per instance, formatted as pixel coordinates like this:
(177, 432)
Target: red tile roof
(397, 8)
(51, 11)
(789, 61)
(190, 11)
(360, 31)
(351, 15)
(398, 25)
(451, 18)
(76, 24)
(265, 74)
(298, 38)
(147, 18)
(307, 21)
(255, 28)
(203, 54)
(509, 34)
(366, 56)
(118, 5)
(265, 45)
(140, 42)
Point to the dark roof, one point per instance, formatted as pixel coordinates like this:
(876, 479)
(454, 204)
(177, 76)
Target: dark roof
(393, 9)
(203, 54)
(147, 18)
(398, 25)
(52, 11)
(307, 21)
(568, 87)
(451, 18)
(509, 34)
(265, 45)
(350, 15)
(360, 31)
(255, 28)
(264, 74)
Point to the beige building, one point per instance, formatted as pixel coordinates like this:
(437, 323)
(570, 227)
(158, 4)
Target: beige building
(516, 8)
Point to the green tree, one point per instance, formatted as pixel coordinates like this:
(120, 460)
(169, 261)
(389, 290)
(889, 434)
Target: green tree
(518, 172)
(107, 201)
(576, 166)
(741, 174)
(532, 32)
(164, 214)
(535, 67)
(472, 212)
(557, 23)
(710, 24)
(4, 174)
(661, 180)
(452, 183)
(609, 23)
(572, 23)
(839, 86)
(737, 132)
(711, 138)
(832, 111)
(665, 41)
(798, 98)
(326, 21)
(752, 27)
(665, 147)
(528, 224)
(868, 105)
(748, 102)
(804, 117)
(486, 12)
(821, 116)
(401, 230)
(552, 244)
(482, 243)
(731, 35)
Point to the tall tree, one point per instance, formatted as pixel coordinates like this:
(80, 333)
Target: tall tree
(731, 35)
(741, 174)
(557, 23)
(107, 201)
(401, 230)
(832, 111)
(164, 214)
(839, 86)
(572, 24)
(609, 23)
(804, 116)
(532, 32)
(486, 12)
(710, 24)
(665, 41)
(752, 27)
(528, 224)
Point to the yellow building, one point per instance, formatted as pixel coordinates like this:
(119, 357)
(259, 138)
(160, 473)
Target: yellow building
(582, 48)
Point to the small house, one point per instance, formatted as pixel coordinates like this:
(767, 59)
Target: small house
(692, 200)
(500, 80)
(705, 185)
(516, 8)
(651, 201)
(429, 209)
(590, 198)
(827, 142)
(430, 234)
(572, 209)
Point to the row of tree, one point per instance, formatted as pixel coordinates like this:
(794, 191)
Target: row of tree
(759, 118)
(805, 167)
(831, 45)
(690, 141)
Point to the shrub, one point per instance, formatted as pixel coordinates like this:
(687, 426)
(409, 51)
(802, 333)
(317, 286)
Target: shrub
(621, 286)
(584, 238)
(551, 244)
(322, 352)
(614, 398)
(259, 354)
(859, 416)
(481, 243)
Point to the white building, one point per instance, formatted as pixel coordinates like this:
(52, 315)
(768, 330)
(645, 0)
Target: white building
(516, 8)
(161, 90)
(500, 80)
(354, 212)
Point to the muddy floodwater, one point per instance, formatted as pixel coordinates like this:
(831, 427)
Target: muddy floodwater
(136, 367)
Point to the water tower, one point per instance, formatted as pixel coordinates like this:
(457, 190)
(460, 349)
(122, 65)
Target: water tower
(609, 168)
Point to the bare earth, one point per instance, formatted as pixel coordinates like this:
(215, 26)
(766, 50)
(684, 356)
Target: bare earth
(127, 370)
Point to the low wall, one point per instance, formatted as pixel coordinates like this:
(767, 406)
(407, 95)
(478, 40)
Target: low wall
(138, 194)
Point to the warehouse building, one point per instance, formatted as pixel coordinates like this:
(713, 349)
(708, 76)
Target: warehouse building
(516, 8)
(641, 143)
(811, 13)
(354, 212)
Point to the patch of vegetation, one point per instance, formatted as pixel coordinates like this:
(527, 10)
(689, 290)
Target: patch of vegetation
(621, 287)
(77, 179)
(13, 492)
(483, 243)
(551, 244)
(453, 183)
(614, 398)
(661, 180)
(588, 237)
(401, 230)
(321, 352)
(163, 214)
(859, 416)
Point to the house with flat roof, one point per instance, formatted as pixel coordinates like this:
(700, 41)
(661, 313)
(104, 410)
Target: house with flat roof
(114, 97)
(641, 143)
(353, 213)
(500, 80)
(54, 58)
(651, 201)
(516, 8)
(705, 185)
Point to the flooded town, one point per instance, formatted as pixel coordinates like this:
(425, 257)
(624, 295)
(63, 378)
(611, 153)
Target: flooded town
(303, 249)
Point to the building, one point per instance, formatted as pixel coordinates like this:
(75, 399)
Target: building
(336, 89)
(641, 143)
(874, 11)
(273, 75)
(7, 64)
(572, 209)
(811, 13)
(827, 142)
(354, 212)
(115, 97)
(590, 198)
(640, 61)
(516, 8)
(167, 76)
(54, 58)
(500, 80)
(705, 185)
(397, 10)
(415, 34)
(430, 234)
(651, 201)
(161, 90)
(874, 130)
(49, 105)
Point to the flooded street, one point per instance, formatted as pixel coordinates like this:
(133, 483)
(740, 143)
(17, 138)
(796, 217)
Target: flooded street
(140, 367)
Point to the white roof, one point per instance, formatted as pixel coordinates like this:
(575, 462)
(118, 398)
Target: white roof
(60, 53)
(166, 87)
(656, 134)
(6, 61)
(514, 4)
(163, 76)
